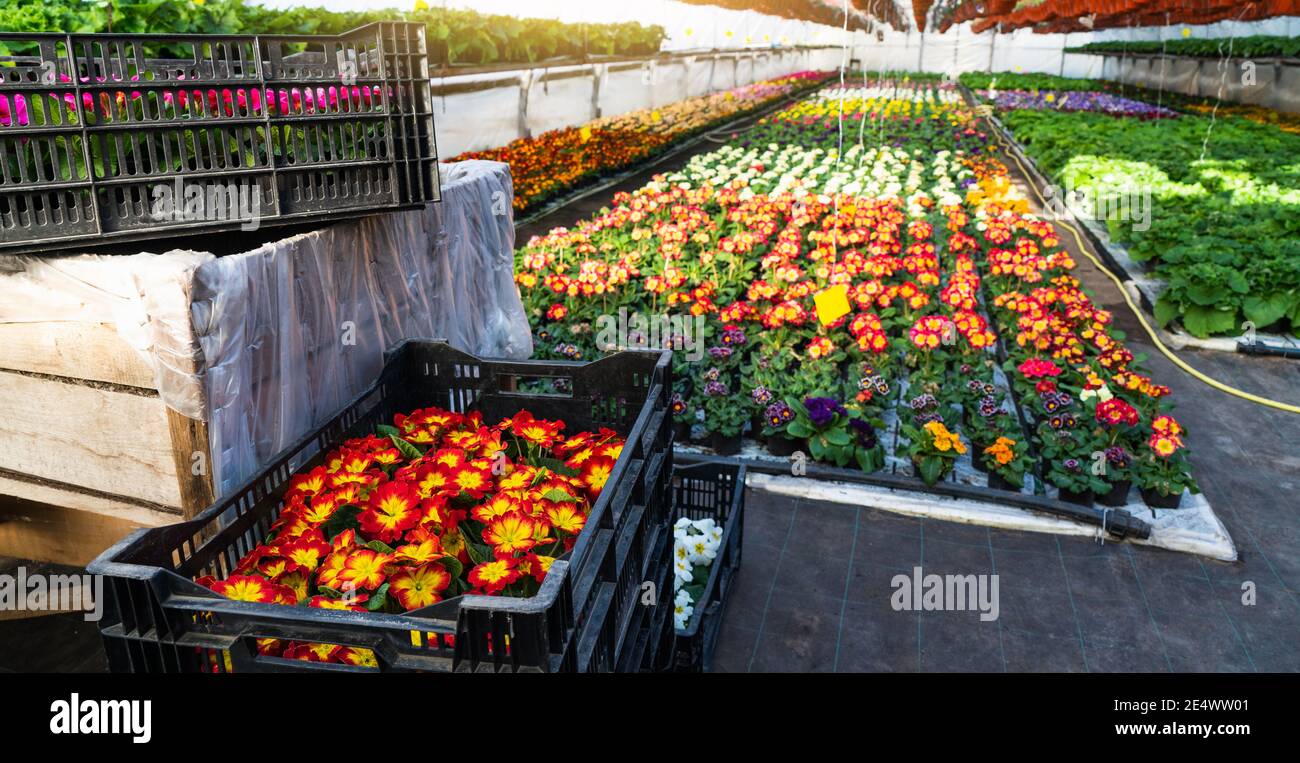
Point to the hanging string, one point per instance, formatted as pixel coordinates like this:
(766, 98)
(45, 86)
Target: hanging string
(1224, 63)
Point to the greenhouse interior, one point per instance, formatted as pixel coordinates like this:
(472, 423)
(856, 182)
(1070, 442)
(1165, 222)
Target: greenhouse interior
(362, 336)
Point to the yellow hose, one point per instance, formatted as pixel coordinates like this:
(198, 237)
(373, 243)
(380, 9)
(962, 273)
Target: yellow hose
(1137, 311)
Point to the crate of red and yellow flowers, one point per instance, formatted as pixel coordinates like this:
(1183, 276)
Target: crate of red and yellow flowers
(708, 522)
(444, 521)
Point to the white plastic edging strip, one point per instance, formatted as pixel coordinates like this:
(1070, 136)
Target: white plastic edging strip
(1194, 528)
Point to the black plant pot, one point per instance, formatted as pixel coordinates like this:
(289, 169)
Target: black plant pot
(976, 461)
(1085, 498)
(998, 482)
(1118, 495)
(1157, 500)
(756, 429)
(780, 445)
(723, 445)
(681, 431)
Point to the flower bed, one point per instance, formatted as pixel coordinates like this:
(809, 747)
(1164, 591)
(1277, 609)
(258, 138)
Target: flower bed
(1065, 101)
(1173, 100)
(558, 160)
(1224, 231)
(863, 330)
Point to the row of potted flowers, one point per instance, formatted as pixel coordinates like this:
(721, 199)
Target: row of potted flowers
(557, 160)
(869, 331)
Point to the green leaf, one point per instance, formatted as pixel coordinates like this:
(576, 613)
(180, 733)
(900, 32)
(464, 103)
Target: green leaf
(1203, 294)
(798, 429)
(452, 565)
(1204, 321)
(478, 553)
(380, 598)
(558, 466)
(408, 450)
(1166, 309)
(837, 437)
(343, 519)
(379, 546)
(559, 496)
(387, 430)
(1268, 309)
(931, 470)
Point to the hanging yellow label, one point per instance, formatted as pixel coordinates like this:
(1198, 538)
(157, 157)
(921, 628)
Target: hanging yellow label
(832, 304)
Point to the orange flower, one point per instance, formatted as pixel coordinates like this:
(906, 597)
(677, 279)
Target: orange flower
(495, 507)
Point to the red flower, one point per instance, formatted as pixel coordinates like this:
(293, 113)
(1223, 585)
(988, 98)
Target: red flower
(391, 510)
(1114, 412)
(247, 588)
(536, 431)
(307, 551)
(419, 586)
(494, 575)
(1035, 368)
(364, 568)
(510, 533)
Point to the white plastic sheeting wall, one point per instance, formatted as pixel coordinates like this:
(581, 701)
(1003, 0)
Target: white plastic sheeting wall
(472, 121)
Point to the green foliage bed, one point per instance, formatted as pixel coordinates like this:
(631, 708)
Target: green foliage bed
(1241, 47)
(455, 36)
(1224, 229)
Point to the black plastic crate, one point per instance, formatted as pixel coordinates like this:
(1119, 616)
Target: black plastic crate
(709, 489)
(111, 137)
(157, 619)
(643, 648)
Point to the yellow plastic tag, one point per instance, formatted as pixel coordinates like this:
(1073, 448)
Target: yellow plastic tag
(1187, 32)
(585, 133)
(832, 304)
(655, 116)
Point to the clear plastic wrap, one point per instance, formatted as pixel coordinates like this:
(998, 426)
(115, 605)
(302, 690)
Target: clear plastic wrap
(266, 344)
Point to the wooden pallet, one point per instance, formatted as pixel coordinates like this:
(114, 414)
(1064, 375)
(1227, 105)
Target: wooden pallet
(87, 445)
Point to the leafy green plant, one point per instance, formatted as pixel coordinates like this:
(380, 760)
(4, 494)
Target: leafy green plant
(454, 36)
(1253, 46)
(1224, 229)
(835, 434)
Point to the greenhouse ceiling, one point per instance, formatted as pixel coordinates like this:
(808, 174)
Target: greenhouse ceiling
(1048, 16)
